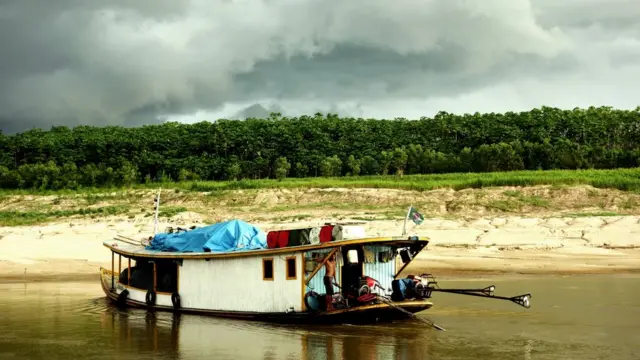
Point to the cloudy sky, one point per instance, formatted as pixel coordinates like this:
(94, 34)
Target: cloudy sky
(123, 62)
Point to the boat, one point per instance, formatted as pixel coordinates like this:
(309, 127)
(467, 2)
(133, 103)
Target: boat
(234, 269)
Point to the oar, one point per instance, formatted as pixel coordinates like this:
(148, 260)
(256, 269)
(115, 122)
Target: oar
(426, 321)
(393, 305)
(522, 300)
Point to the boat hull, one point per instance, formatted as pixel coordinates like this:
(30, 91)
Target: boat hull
(365, 314)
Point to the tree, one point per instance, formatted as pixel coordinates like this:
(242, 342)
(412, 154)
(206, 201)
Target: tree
(354, 165)
(281, 168)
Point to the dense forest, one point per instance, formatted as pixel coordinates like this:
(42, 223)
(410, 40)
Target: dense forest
(310, 146)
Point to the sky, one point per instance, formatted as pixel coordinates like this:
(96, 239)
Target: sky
(122, 62)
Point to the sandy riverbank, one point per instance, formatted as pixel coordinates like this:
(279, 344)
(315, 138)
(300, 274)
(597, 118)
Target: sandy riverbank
(508, 245)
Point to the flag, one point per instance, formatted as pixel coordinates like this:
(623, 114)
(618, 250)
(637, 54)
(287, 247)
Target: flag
(415, 216)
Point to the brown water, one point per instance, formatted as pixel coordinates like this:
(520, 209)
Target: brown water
(580, 317)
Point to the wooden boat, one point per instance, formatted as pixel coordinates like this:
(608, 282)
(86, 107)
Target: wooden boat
(281, 283)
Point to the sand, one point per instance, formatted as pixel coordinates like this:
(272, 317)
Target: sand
(509, 245)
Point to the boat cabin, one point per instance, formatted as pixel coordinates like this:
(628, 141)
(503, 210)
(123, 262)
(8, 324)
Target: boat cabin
(281, 279)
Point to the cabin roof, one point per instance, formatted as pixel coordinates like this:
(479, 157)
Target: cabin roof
(128, 249)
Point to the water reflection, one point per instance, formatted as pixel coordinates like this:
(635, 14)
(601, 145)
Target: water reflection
(144, 333)
(586, 318)
(192, 337)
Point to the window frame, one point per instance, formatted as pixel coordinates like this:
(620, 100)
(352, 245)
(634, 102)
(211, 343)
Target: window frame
(264, 261)
(295, 267)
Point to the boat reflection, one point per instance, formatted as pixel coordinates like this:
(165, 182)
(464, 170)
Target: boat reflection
(173, 336)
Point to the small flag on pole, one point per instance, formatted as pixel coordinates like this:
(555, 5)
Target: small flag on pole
(415, 216)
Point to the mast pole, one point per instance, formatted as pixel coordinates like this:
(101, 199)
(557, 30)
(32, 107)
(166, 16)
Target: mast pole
(157, 201)
(404, 226)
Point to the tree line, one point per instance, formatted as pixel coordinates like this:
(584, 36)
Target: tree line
(311, 146)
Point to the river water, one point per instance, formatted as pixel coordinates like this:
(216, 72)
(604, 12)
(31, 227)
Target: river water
(574, 317)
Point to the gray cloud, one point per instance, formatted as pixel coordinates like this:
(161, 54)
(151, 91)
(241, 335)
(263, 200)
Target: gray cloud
(132, 62)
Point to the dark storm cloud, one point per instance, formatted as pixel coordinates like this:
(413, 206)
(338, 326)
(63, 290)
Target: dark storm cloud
(132, 62)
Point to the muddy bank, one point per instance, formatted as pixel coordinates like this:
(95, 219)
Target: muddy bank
(73, 250)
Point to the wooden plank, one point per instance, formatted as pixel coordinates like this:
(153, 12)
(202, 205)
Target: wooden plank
(319, 266)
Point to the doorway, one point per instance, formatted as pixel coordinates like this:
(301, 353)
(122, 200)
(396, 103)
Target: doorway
(352, 269)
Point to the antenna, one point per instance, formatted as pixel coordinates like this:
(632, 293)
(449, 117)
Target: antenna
(157, 208)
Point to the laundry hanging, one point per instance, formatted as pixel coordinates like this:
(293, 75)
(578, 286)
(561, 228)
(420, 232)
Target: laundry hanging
(369, 255)
(314, 235)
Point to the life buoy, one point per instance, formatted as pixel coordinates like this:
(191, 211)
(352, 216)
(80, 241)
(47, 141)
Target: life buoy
(122, 298)
(175, 300)
(151, 297)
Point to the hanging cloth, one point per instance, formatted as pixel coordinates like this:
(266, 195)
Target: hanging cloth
(369, 255)
(272, 239)
(294, 237)
(283, 238)
(304, 236)
(314, 235)
(326, 233)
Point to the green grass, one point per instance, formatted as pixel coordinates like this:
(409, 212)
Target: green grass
(170, 211)
(19, 218)
(622, 179)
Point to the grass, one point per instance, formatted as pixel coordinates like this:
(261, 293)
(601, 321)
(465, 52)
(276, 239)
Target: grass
(221, 198)
(20, 218)
(170, 211)
(621, 179)
(516, 200)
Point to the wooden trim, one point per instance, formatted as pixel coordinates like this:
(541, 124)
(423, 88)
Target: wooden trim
(129, 272)
(273, 275)
(113, 277)
(402, 304)
(144, 290)
(303, 286)
(422, 246)
(319, 266)
(139, 251)
(295, 267)
(119, 263)
(106, 271)
(155, 277)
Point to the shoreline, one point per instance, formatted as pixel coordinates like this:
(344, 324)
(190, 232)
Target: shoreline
(446, 263)
(439, 273)
(499, 246)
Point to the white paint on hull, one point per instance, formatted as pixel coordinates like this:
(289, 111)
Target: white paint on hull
(236, 284)
(140, 295)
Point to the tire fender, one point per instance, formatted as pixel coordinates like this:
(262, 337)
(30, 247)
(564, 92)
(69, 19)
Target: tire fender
(150, 298)
(175, 300)
(122, 298)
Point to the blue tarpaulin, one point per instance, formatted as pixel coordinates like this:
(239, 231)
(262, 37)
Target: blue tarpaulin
(226, 236)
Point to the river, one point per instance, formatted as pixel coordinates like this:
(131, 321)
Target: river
(572, 317)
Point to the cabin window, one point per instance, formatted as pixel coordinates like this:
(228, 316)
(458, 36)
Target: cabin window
(267, 269)
(352, 256)
(291, 268)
